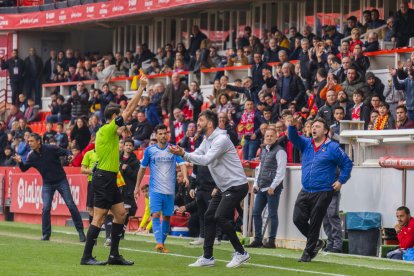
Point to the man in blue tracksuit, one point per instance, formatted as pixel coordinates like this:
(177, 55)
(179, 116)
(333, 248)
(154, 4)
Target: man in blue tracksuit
(320, 159)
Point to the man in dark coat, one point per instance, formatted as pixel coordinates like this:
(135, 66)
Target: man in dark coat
(15, 67)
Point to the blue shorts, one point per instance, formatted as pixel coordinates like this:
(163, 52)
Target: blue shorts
(161, 203)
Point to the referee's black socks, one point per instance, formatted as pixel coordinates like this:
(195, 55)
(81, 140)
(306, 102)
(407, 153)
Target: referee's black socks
(116, 235)
(91, 236)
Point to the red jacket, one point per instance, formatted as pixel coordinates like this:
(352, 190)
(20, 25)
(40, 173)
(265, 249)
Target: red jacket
(406, 235)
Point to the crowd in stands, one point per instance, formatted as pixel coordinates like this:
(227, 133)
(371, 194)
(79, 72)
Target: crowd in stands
(329, 79)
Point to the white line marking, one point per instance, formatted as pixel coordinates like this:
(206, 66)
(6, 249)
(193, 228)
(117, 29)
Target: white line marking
(224, 261)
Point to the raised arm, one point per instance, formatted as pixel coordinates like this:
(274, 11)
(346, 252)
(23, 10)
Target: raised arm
(133, 103)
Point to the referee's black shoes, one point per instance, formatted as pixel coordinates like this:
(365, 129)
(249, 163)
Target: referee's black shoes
(91, 261)
(118, 260)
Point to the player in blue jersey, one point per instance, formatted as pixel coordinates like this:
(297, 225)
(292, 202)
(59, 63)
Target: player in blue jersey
(162, 164)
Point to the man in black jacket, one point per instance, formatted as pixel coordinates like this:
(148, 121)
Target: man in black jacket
(403, 25)
(196, 37)
(142, 131)
(290, 88)
(33, 68)
(257, 70)
(45, 159)
(15, 67)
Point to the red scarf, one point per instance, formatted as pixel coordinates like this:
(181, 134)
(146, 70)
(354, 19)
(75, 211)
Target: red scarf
(246, 125)
(178, 130)
(192, 142)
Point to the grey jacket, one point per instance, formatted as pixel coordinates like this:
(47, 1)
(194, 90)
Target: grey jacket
(219, 154)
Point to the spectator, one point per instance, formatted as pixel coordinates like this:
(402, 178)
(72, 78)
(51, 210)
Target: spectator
(331, 84)
(402, 119)
(77, 157)
(191, 102)
(151, 112)
(393, 97)
(384, 120)
(142, 131)
(239, 60)
(94, 124)
(61, 137)
(154, 67)
(307, 33)
(403, 25)
(120, 97)
(16, 69)
(257, 70)
(332, 34)
(180, 126)
(326, 112)
(376, 22)
(375, 102)
(373, 116)
(23, 148)
(293, 31)
(271, 106)
(105, 98)
(304, 61)
(14, 116)
(248, 126)
(142, 55)
(22, 127)
(249, 89)
(69, 59)
(215, 58)
(60, 111)
(32, 112)
(372, 44)
(368, 20)
(171, 98)
(408, 86)
(339, 114)
(297, 49)
(190, 138)
(282, 41)
(196, 38)
(405, 233)
(290, 88)
(244, 40)
(272, 53)
(80, 134)
(375, 86)
(344, 50)
(224, 104)
(355, 39)
(354, 81)
(360, 111)
(223, 120)
(22, 104)
(50, 133)
(352, 23)
(32, 75)
(6, 159)
(389, 31)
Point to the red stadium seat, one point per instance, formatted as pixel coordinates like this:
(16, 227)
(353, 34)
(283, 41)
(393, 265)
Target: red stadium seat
(205, 106)
(139, 153)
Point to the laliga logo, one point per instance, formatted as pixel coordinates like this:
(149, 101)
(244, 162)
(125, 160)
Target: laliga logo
(132, 3)
(20, 193)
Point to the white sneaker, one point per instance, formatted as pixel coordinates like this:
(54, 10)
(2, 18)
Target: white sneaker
(108, 242)
(199, 241)
(238, 259)
(203, 262)
(217, 242)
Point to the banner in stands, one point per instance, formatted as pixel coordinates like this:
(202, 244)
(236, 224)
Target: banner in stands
(26, 194)
(88, 12)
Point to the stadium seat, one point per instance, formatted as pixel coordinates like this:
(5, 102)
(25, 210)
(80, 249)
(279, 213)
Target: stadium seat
(205, 106)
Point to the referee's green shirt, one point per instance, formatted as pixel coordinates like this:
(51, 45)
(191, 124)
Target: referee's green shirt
(107, 147)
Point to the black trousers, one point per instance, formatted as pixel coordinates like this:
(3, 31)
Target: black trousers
(310, 209)
(203, 199)
(17, 89)
(221, 211)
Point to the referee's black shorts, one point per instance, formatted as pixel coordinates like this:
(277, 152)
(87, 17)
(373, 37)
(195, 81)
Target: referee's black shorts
(105, 189)
(89, 195)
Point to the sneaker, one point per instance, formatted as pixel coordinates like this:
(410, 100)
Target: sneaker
(203, 262)
(91, 261)
(319, 245)
(107, 242)
(199, 241)
(255, 244)
(118, 260)
(305, 258)
(238, 259)
(217, 242)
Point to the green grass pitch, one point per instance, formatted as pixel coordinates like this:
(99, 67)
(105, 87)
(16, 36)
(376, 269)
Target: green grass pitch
(22, 253)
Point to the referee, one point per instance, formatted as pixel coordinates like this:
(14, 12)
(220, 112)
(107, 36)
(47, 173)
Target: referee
(107, 194)
(218, 153)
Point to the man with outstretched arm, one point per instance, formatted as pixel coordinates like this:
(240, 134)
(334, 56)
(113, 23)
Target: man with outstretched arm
(106, 192)
(219, 154)
(320, 159)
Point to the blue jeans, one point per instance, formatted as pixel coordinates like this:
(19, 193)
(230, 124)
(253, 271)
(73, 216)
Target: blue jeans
(48, 190)
(272, 202)
(250, 148)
